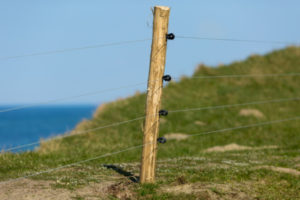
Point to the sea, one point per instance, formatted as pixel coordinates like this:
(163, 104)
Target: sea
(29, 125)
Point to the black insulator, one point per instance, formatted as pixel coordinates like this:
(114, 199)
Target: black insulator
(162, 140)
(170, 36)
(167, 78)
(163, 113)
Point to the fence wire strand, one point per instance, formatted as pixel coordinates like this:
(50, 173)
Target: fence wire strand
(75, 133)
(76, 49)
(246, 126)
(70, 97)
(236, 40)
(241, 76)
(143, 40)
(73, 164)
(236, 105)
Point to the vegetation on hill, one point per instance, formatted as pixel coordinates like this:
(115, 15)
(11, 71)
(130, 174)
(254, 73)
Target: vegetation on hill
(260, 162)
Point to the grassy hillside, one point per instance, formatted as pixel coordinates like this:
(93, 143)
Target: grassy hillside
(264, 165)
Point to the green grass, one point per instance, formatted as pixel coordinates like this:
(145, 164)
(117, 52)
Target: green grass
(219, 174)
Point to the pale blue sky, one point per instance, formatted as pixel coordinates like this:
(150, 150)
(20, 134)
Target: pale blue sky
(35, 26)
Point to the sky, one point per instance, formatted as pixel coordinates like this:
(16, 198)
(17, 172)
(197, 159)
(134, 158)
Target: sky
(34, 26)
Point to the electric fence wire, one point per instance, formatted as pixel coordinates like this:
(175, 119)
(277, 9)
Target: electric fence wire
(246, 126)
(70, 135)
(142, 40)
(71, 97)
(73, 164)
(139, 146)
(143, 117)
(236, 105)
(77, 48)
(236, 40)
(241, 76)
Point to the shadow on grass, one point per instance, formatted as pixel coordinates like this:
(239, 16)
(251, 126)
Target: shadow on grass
(121, 171)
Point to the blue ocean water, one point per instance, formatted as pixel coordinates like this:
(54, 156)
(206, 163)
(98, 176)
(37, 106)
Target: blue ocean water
(31, 124)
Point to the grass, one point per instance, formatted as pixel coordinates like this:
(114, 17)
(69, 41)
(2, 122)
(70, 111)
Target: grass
(183, 164)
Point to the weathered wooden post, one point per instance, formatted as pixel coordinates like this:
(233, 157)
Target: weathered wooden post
(154, 93)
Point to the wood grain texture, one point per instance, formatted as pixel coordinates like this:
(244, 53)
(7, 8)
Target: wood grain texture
(154, 93)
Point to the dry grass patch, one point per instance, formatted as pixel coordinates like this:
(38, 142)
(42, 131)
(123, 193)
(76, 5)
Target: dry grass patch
(212, 191)
(281, 170)
(100, 110)
(236, 147)
(81, 126)
(251, 112)
(199, 123)
(27, 189)
(176, 136)
(47, 146)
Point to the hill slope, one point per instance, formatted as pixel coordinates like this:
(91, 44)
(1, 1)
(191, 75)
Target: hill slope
(265, 164)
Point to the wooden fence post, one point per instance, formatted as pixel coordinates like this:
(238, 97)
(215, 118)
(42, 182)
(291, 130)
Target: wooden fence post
(154, 92)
